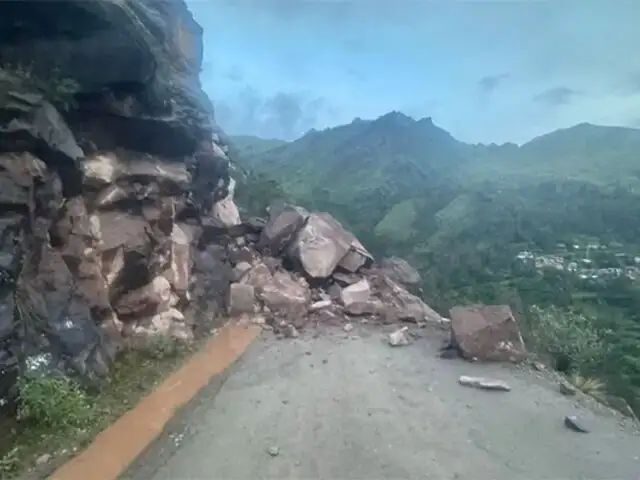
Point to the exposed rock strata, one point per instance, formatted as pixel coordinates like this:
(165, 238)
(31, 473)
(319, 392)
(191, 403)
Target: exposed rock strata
(110, 165)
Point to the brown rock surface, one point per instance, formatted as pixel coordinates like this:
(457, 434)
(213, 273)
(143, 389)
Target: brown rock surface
(106, 175)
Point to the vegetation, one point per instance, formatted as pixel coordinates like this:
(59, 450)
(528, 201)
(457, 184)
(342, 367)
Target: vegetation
(549, 227)
(57, 403)
(58, 416)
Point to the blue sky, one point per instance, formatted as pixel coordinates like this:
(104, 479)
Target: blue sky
(485, 71)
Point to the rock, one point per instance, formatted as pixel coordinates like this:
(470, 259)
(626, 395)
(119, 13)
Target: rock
(148, 300)
(573, 423)
(347, 327)
(240, 269)
(280, 292)
(484, 383)
(322, 244)
(373, 306)
(273, 451)
(399, 338)
(400, 305)
(356, 293)
(319, 305)
(487, 332)
(399, 270)
(169, 323)
(241, 299)
(42, 459)
(225, 210)
(291, 331)
(345, 279)
(281, 228)
(567, 389)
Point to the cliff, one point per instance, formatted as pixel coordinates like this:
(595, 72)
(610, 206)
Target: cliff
(111, 170)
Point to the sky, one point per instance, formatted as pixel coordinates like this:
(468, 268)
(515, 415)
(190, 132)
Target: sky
(499, 71)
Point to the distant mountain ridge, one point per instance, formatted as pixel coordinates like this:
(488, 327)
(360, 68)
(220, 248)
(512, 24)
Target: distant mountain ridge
(395, 148)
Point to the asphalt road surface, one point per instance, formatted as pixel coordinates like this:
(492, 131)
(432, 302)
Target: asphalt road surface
(348, 406)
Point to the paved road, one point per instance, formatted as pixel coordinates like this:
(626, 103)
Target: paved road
(339, 407)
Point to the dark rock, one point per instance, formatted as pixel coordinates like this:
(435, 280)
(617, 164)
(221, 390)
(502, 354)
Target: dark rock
(573, 423)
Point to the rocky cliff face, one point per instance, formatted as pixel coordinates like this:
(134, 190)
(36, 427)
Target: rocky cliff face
(111, 170)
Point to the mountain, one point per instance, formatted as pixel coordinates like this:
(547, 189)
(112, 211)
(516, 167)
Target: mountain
(250, 145)
(551, 227)
(404, 180)
(396, 149)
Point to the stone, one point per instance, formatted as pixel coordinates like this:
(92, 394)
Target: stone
(357, 293)
(484, 383)
(168, 323)
(319, 305)
(273, 451)
(487, 332)
(148, 300)
(566, 389)
(322, 243)
(240, 269)
(290, 331)
(347, 327)
(42, 459)
(281, 228)
(399, 338)
(400, 305)
(225, 210)
(399, 270)
(241, 299)
(573, 423)
(372, 306)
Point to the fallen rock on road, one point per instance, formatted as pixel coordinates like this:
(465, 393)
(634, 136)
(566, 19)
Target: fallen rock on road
(399, 338)
(484, 383)
(572, 423)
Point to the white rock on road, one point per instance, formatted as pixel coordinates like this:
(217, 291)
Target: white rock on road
(484, 383)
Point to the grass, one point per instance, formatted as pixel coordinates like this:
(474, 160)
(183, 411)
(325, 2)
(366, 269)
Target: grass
(59, 413)
(588, 385)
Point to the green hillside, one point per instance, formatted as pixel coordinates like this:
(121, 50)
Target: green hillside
(551, 227)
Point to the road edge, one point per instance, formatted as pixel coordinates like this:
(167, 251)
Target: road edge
(119, 445)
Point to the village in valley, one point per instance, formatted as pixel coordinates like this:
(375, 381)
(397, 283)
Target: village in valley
(591, 260)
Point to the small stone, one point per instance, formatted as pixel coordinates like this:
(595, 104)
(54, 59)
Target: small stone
(399, 338)
(319, 305)
(348, 327)
(273, 451)
(291, 331)
(566, 389)
(42, 459)
(539, 366)
(572, 423)
(484, 383)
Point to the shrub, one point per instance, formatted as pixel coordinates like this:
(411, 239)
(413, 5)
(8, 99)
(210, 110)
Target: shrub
(589, 385)
(572, 338)
(58, 403)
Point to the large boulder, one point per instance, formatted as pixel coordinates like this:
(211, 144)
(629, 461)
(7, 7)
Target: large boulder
(323, 244)
(487, 332)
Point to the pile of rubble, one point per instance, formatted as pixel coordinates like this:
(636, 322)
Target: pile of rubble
(297, 267)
